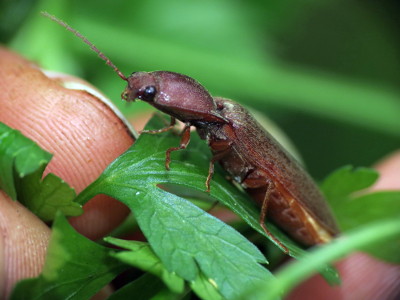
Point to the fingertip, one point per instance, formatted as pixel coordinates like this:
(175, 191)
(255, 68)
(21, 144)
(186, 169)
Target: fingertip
(23, 244)
(389, 169)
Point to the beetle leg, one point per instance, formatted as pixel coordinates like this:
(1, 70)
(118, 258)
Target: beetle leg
(224, 147)
(169, 127)
(263, 215)
(184, 143)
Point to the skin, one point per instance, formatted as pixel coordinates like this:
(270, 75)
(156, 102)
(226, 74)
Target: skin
(22, 257)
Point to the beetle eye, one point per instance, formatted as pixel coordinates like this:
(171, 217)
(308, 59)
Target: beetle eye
(149, 93)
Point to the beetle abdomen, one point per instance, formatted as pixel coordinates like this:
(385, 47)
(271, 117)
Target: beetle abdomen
(292, 218)
(296, 203)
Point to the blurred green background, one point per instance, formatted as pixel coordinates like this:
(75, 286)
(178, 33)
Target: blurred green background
(327, 72)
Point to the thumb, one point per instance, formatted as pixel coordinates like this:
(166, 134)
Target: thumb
(83, 134)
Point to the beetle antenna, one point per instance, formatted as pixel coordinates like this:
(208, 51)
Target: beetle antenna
(86, 41)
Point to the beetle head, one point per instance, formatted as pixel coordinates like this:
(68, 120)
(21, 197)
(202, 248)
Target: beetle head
(141, 85)
(174, 94)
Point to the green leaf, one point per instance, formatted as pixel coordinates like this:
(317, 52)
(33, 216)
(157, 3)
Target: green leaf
(186, 239)
(205, 288)
(143, 257)
(354, 210)
(22, 163)
(44, 198)
(373, 207)
(369, 208)
(298, 271)
(20, 155)
(75, 267)
(346, 180)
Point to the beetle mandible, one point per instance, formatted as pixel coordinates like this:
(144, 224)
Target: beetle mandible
(274, 179)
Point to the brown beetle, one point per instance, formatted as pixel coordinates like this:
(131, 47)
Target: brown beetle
(247, 152)
(276, 181)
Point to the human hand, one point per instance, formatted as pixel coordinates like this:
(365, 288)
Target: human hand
(83, 135)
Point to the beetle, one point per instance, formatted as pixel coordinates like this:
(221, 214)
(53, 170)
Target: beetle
(274, 179)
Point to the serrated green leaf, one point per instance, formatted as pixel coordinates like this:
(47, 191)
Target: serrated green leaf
(22, 163)
(354, 210)
(143, 257)
(138, 171)
(18, 154)
(187, 240)
(44, 198)
(75, 267)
